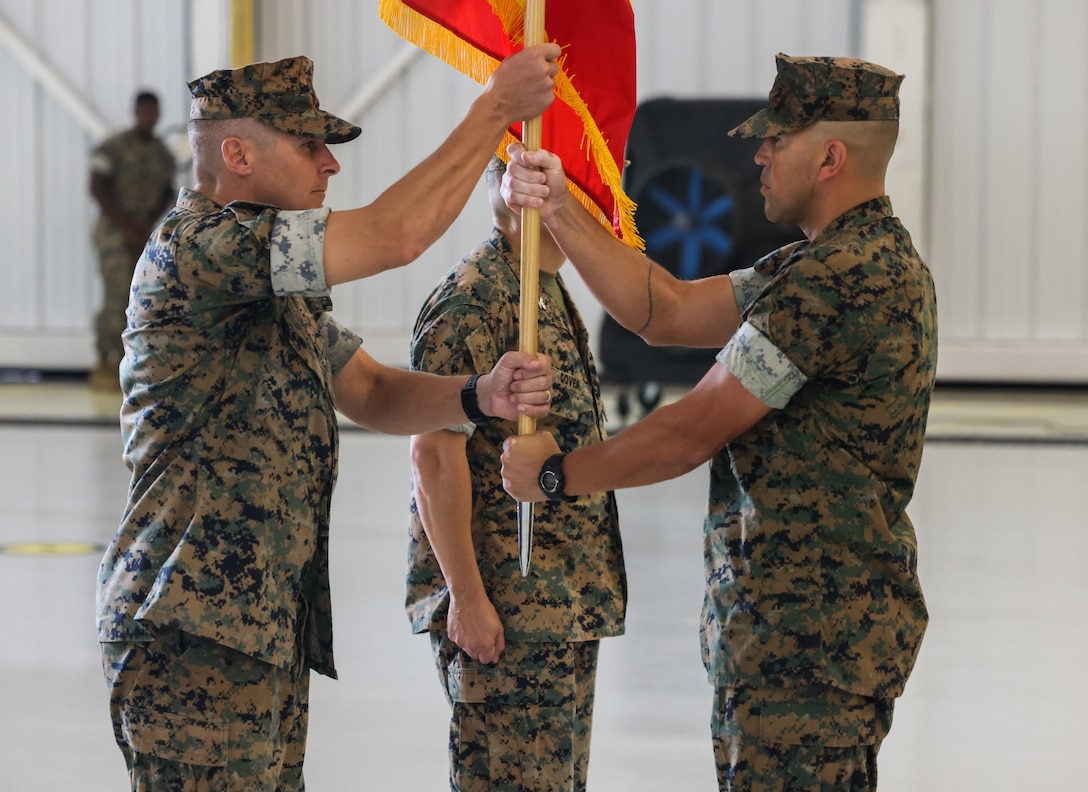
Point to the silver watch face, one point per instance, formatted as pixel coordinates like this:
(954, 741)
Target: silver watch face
(549, 482)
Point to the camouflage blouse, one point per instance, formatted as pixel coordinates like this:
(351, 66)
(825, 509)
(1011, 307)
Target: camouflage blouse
(141, 170)
(577, 586)
(811, 558)
(230, 434)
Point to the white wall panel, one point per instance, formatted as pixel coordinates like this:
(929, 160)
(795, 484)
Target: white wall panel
(1011, 54)
(730, 64)
(102, 51)
(18, 258)
(1008, 189)
(834, 24)
(161, 57)
(70, 288)
(207, 30)
(667, 59)
(1060, 158)
(957, 227)
(894, 34)
(993, 184)
(112, 30)
(67, 276)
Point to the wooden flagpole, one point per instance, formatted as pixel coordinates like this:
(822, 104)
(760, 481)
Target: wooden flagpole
(532, 130)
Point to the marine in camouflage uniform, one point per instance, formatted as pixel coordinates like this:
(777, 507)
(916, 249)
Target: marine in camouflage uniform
(230, 432)
(132, 174)
(814, 422)
(811, 553)
(213, 597)
(523, 722)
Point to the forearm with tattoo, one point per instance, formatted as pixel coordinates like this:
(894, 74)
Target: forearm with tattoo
(649, 298)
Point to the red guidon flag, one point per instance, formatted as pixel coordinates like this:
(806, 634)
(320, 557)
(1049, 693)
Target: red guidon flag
(595, 86)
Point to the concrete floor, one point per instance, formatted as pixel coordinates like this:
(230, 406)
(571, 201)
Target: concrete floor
(996, 702)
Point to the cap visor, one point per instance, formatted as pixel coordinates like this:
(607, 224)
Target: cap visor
(314, 124)
(763, 124)
(336, 129)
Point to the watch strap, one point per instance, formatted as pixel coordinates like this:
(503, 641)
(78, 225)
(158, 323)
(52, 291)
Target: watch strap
(470, 404)
(553, 465)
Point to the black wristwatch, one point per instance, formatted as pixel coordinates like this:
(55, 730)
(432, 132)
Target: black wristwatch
(470, 404)
(551, 477)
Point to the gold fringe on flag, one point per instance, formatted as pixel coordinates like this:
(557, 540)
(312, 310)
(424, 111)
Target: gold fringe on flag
(442, 43)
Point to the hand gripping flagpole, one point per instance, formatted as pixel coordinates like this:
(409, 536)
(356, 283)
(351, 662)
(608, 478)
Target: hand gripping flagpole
(530, 279)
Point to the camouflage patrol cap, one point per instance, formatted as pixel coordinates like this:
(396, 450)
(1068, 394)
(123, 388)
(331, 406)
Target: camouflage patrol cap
(808, 90)
(279, 94)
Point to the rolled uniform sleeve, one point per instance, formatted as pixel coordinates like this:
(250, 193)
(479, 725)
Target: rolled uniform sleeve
(762, 368)
(298, 269)
(298, 252)
(468, 429)
(342, 342)
(432, 353)
(452, 338)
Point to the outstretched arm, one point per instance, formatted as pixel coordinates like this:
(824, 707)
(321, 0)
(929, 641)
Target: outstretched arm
(414, 212)
(667, 443)
(396, 401)
(443, 492)
(638, 293)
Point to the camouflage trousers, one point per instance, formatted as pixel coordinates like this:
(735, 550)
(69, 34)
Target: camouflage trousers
(192, 716)
(810, 739)
(116, 263)
(522, 724)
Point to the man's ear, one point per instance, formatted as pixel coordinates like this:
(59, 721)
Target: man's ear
(834, 161)
(236, 156)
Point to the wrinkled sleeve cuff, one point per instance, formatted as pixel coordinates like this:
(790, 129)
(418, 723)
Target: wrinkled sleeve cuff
(298, 253)
(761, 367)
(341, 342)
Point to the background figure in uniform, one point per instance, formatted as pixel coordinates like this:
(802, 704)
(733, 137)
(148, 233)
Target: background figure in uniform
(814, 418)
(516, 656)
(132, 179)
(214, 596)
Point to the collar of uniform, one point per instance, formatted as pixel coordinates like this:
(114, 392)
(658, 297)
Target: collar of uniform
(196, 202)
(501, 244)
(512, 259)
(862, 214)
(506, 252)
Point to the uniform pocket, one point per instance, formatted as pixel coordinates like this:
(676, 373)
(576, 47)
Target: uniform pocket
(498, 720)
(175, 739)
(471, 683)
(819, 723)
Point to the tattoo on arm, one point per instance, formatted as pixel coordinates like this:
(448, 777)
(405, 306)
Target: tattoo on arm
(649, 299)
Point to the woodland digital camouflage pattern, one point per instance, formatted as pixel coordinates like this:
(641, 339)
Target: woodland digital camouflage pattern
(811, 558)
(577, 589)
(524, 723)
(171, 718)
(279, 94)
(797, 739)
(808, 90)
(140, 169)
(230, 433)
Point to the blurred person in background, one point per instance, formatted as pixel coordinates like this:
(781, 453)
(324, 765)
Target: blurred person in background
(132, 180)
